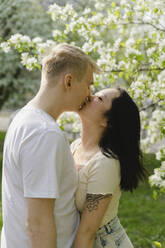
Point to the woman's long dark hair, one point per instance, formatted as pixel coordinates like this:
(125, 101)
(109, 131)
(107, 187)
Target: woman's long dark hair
(121, 140)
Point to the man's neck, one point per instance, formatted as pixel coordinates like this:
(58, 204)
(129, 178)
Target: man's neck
(49, 103)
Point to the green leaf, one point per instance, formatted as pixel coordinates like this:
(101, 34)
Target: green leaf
(120, 74)
(117, 13)
(140, 57)
(38, 66)
(163, 63)
(129, 13)
(139, 41)
(62, 128)
(157, 244)
(113, 4)
(156, 10)
(122, 44)
(155, 194)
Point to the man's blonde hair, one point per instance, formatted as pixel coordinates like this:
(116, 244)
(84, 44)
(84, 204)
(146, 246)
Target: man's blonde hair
(65, 57)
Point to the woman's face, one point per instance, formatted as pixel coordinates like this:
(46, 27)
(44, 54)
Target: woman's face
(100, 103)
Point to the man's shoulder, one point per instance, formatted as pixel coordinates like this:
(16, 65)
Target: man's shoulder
(33, 122)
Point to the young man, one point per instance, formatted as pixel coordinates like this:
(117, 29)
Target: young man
(39, 177)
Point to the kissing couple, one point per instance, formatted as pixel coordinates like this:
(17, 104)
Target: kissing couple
(57, 196)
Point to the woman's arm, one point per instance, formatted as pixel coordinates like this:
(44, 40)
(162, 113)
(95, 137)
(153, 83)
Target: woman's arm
(94, 210)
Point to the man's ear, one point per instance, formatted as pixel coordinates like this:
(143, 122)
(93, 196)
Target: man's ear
(68, 81)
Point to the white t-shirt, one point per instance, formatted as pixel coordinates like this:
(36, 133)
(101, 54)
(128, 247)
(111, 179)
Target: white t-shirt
(37, 163)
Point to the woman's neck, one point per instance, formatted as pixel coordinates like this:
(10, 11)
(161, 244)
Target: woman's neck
(90, 137)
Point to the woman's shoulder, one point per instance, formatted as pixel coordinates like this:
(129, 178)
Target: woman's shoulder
(102, 159)
(102, 162)
(103, 175)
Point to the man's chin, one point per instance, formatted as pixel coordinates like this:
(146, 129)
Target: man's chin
(84, 105)
(79, 111)
(83, 111)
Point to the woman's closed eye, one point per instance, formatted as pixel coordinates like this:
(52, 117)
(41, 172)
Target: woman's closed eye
(100, 98)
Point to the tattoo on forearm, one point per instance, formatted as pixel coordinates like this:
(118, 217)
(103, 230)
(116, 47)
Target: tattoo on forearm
(92, 201)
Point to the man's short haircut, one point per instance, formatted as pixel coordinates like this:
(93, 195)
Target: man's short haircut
(65, 57)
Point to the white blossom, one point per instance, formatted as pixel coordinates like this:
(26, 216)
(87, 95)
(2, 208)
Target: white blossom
(132, 51)
(158, 155)
(87, 11)
(31, 62)
(15, 38)
(96, 19)
(99, 5)
(5, 47)
(37, 40)
(87, 47)
(24, 58)
(150, 51)
(56, 33)
(158, 178)
(25, 38)
(155, 180)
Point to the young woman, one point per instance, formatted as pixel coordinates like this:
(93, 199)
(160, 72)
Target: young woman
(108, 160)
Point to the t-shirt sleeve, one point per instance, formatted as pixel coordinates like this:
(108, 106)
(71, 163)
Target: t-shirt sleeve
(41, 159)
(104, 176)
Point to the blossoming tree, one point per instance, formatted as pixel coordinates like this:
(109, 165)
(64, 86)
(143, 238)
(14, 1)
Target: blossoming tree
(27, 17)
(128, 42)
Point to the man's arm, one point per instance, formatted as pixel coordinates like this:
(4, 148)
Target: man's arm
(94, 210)
(40, 222)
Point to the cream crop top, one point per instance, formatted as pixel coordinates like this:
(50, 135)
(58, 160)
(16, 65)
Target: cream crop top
(99, 175)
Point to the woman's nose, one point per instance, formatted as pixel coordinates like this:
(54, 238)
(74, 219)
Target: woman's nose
(89, 91)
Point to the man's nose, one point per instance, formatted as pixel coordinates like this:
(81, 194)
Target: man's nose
(89, 91)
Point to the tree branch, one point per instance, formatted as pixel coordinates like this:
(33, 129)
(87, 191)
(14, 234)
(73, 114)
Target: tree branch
(151, 105)
(139, 70)
(143, 23)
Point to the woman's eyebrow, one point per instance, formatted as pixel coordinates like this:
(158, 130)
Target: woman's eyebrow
(102, 95)
(105, 96)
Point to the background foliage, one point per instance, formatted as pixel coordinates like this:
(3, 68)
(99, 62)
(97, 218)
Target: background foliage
(29, 18)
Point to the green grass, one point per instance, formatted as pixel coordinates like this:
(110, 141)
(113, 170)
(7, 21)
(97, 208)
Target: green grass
(141, 215)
